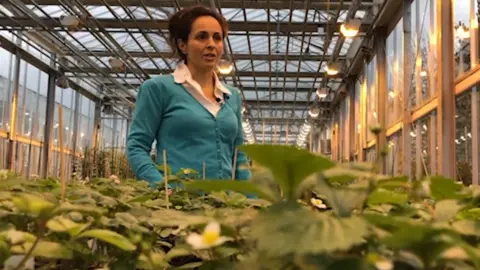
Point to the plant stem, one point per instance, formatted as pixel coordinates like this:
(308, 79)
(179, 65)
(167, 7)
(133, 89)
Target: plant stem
(34, 245)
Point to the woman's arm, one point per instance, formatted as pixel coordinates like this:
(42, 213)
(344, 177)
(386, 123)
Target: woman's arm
(146, 120)
(242, 171)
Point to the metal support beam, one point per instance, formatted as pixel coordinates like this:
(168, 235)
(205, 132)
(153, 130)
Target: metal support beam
(351, 118)
(76, 114)
(25, 23)
(381, 89)
(474, 53)
(49, 116)
(238, 56)
(13, 114)
(445, 86)
(235, 4)
(97, 120)
(154, 71)
(407, 78)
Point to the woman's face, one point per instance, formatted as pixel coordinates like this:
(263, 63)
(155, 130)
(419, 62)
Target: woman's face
(204, 47)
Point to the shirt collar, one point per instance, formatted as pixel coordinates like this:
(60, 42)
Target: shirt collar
(182, 74)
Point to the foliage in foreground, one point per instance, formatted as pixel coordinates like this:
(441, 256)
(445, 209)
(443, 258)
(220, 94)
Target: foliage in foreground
(308, 213)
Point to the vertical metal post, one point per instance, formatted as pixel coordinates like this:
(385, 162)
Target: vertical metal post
(445, 86)
(49, 116)
(474, 52)
(351, 115)
(432, 130)
(381, 87)
(129, 121)
(13, 113)
(407, 73)
(96, 123)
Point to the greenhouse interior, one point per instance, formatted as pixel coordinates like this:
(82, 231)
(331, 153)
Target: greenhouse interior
(390, 81)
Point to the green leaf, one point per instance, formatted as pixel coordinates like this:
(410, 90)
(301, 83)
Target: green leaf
(287, 228)
(44, 249)
(467, 227)
(393, 183)
(289, 165)
(68, 207)
(342, 200)
(32, 204)
(192, 265)
(383, 196)
(446, 210)
(238, 186)
(173, 218)
(444, 189)
(61, 224)
(473, 253)
(141, 198)
(109, 237)
(177, 252)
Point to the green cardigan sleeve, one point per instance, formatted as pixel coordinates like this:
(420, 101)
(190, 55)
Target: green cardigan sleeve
(146, 120)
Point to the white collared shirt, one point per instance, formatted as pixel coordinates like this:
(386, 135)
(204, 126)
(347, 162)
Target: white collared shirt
(182, 75)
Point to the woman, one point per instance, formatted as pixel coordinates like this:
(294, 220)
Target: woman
(191, 115)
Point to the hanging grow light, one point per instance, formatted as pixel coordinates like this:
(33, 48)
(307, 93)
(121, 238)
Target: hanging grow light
(71, 22)
(314, 112)
(350, 29)
(333, 69)
(462, 31)
(225, 67)
(116, 64)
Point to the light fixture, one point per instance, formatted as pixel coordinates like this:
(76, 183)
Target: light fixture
(70, 21)
(391, 94)
(225, 67)
(322, 92)
(116, 64)
(314, 112)
(462, 31)
(62, 82)
(332, 69)
(350, 28)
(247, 129)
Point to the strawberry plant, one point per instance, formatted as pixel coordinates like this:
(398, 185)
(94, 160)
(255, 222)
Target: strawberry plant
(299, 211)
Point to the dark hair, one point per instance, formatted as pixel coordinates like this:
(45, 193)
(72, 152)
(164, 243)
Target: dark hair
(180, 25)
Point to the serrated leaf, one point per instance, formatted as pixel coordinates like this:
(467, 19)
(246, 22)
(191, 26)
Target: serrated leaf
(109, 237)
(289, 165)
(344, 175)
(467, 227)
(44, 249)
(173, 218)
(62, 224)
(342, 200)
(238, 186)
(68, 207)
(192, 265)
(140, 199)
(177, 252)
(446, 210)
(383, 196)
(287, 228)
(32, 204)
(393, 183)
(443, 188)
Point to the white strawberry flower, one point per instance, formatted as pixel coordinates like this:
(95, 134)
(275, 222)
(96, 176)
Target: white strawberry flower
(318, 203)
(3, 174)
(384, 265)
(115, 179)
(209, 238)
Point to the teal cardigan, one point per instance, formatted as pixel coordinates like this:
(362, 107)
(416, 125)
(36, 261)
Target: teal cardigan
(166, 112)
